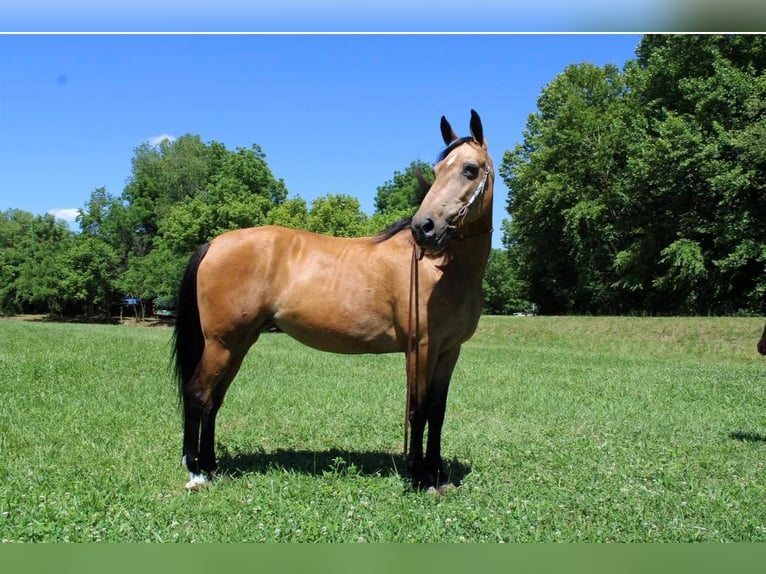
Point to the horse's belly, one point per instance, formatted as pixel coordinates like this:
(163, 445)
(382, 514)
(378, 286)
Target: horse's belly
(338, 334)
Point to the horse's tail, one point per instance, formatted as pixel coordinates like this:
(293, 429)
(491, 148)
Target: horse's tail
(188, 341)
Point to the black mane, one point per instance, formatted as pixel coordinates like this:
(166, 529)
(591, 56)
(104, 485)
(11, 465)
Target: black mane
(453, 145)
(393, 229)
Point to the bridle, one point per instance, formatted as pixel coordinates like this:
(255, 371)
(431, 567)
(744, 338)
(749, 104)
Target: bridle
(412, 355)
(478, 193)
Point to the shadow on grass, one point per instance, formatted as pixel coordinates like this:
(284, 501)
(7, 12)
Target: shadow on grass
(332, 462)
(748, 436)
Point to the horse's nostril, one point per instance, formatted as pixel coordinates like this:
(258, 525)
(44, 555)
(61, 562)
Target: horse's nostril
(423, 229)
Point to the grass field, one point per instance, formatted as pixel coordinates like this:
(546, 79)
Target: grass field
(557, 429)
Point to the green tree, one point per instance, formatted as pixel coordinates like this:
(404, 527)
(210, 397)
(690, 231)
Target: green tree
(248, 168)
(698, 172)
(43, 268)
(15, 226)
(163, 175)
(153, 276)
(566, 190)
(292, 213)
(91, 274)
(338, 215)
(182, 194)
(642, 191)
(403, 193)
(504, 292)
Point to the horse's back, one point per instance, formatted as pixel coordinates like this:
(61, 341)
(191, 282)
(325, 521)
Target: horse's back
(335, 294)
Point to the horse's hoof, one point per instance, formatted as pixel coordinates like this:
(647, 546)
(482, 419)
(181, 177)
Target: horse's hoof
(441, 490)
(197, 482)
(444, 488)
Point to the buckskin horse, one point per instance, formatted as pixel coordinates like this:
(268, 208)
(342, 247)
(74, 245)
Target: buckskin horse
(415, 288)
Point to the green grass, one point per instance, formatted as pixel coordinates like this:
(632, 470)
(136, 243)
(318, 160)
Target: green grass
(558, 429)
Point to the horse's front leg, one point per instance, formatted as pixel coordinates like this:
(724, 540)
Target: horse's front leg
(417, 413)
(427, 405)
(437, 405)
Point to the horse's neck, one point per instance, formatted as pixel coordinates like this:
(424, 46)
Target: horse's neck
(472, 253)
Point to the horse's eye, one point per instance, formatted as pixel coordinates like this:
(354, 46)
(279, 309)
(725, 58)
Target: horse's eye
(471, 170)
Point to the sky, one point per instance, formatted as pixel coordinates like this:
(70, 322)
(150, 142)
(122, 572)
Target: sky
(384, 15)
(333, 113)
(84, 82)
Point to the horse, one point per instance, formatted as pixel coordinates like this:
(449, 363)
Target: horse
(762, 343)
(414, 288)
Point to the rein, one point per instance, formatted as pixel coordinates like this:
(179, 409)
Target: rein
(412, 368)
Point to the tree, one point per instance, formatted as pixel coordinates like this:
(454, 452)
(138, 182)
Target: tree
(404, 192)
(91, 272)
(338, 215)
(699, 173)
(248, 168)
(163, 175)
(182, 194)
(642, 191)
(292, 213)
(43, 267)
(504, 292)
(153, 276)
(15, 226)
(566, 191)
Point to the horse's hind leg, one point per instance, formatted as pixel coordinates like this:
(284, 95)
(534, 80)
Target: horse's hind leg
(203, 397)
(190, 459)
(207, 433)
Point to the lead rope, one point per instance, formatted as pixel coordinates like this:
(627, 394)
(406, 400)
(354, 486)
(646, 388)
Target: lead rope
(412, 367)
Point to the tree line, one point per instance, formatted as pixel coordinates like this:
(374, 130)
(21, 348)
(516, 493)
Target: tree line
(181, 193)
(644, 190)
(634, 191)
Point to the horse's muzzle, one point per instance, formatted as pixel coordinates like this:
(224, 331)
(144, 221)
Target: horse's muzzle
(426, 233)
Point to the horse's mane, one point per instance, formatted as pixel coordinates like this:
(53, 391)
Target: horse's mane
(392, 230)
(453, 145)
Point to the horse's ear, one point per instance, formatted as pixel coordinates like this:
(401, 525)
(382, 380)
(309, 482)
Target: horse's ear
(424, 188)
(448, 134)
(477, 131)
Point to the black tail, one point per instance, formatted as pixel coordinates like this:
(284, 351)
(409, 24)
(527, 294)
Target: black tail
(188, 342)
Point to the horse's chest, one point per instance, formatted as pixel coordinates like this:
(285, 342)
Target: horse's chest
(454, 310)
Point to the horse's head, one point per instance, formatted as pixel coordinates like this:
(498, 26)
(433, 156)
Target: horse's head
(459, 203)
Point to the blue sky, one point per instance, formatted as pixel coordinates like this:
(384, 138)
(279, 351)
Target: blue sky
(333, 113)
(351, 15)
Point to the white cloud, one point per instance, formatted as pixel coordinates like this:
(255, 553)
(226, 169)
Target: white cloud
(68, 214)
(156, 140)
